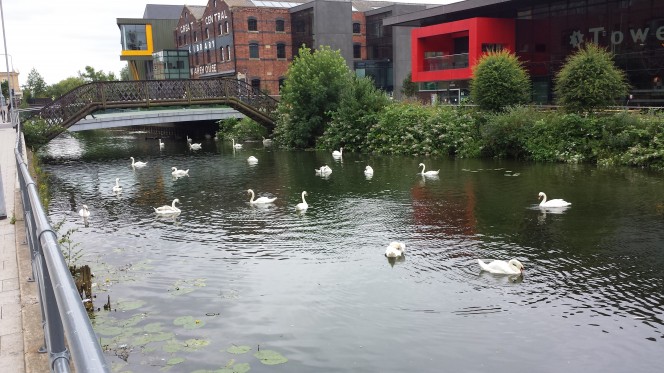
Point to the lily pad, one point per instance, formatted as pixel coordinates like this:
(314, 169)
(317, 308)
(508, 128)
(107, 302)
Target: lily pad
(189, 322)
(195, 344)
(108, 330)
(173, 346)
(270, 357)
(154, 327)
(155, 337)
(231, 367)
(128, 305)
(181, 287)
(238, 349)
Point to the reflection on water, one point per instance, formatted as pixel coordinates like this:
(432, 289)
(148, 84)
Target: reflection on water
(316, 286)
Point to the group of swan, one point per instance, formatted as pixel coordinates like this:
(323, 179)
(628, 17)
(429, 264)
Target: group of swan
(179, 173)
(168, 210)
(137, 164)
(259, 200)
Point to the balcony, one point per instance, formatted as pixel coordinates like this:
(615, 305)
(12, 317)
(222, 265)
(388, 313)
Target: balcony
(446, 62)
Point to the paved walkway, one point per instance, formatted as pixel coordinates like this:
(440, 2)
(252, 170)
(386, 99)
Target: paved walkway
(21, 333)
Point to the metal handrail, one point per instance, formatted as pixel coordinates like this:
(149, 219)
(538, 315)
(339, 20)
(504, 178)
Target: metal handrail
(63, 314)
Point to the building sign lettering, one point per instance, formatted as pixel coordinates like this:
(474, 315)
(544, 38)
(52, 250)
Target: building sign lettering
(639, 36)
(204, 69)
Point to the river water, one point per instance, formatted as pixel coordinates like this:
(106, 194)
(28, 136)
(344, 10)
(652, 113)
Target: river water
(224, 280)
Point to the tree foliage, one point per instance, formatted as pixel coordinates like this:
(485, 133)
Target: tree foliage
(499, 81)
(409, 88)
(125, 74)
(60, 88)
(310, 95)
(91, 75)
(35, 84)
(589, 80)
(360, 105)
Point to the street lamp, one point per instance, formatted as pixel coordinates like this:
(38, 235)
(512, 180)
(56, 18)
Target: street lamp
(9, 81)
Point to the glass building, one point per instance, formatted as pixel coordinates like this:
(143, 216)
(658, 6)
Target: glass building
(171, 64)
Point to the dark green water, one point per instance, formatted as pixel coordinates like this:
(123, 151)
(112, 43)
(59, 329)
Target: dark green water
(317, 288)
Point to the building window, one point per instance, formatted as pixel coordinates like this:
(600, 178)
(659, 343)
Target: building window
(300, 27)
(281, 51)
(227, 27)
(356, 27)
(253, 50)
(221, 53)
(256, 83)
(228, 52)
(281, 25)
(357, 50)
(282, 80)
(221, 29)
(207, 33)
(195, 37)
(252, 24)
(196, 59)
(209, 56)
(134, 37)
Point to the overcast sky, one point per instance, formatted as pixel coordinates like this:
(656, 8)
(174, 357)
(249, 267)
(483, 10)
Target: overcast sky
(60, 37)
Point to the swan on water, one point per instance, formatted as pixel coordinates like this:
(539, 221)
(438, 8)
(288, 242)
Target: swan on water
(323, 170)
(137, 164)
(179, 173)
(188, 139)
(552, 203)
(338, 153)
(117, 188)
(195, 146)
(428, 173)
(84, 212)
(368, 171)
(267, 142)
(252, 160)
(513, 267)
(161, 144)
(259, 199)
(168, 210)
(302, 205)
(236, 146)
(395, 249)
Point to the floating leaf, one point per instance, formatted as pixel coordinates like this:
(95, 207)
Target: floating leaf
(173, 346)
(270, 357)
(238, 349)
(195, 344)
(127, 305)
(189, 322)
(108, 330)
(231, 367)
(154, 327)
(156, 337)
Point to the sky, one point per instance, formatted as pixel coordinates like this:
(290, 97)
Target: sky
(59, 38)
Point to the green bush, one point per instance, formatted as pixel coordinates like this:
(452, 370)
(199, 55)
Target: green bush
(499, 81)
(504, 134)
(36, 132)
(240, 130)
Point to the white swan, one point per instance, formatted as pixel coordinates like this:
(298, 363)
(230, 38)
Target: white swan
(260, 199)
(338, 153)
(302, 205)
(236, 146)
(179, 173)
(513, 267)
(168, 210)
(137, 164)
(188, 139)
(553, 202)
(117, 188)
(395, 249)
(84, 212)
(195, 146)
(252, 160)
(368, 171)
(161, 144)
(428, 173)
(323, 170)
(267, 142)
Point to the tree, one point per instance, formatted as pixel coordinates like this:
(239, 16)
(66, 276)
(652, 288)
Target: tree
(409, 88)
(90, 75)
(125, 75)
(499, 81)
(35, 84)
(5, 88)
(310, 95)
(589, 80)
(64, 86)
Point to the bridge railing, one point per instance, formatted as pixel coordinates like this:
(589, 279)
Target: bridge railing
(63, 314)
(83, 100)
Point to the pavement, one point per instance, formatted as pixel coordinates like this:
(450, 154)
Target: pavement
(21, 333)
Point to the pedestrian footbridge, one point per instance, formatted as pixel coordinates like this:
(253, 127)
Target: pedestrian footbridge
(83, 101)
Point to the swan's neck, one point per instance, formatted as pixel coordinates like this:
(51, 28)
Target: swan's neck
(423, 168)
(173, 204)
(543, 198)
(252, 196)
(303, 201)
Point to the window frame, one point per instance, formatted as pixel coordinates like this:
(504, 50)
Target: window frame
(281, 22)
(254, 47)
(252, 21)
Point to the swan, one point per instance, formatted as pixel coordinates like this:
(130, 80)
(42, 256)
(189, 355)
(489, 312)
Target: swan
(252, 160)
(117, 188)
(323, 170)
(137, 164)
(84, 212)
(513, 267)
(161, 144)
(267, 142)
(179, 173)
(168, 210)
(236, 146)
(196, 146)
(338, 153)
(368, 171)
(395, 249)
(302, 205)
(553, 202)
(188, 139)
(260, 199)
(428, 173)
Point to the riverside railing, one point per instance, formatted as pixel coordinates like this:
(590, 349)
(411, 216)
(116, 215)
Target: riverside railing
(63, 314)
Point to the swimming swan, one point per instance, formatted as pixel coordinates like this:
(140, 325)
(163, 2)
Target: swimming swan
(161, 144)
(553, 202)
(179, 173)
(395, 249)
(188, 139)
(236, 146)
(260, 199)
(368, 171)
(513, 267)
(267, 142)
(117, 188)
(137, 164)
(428, 173)
(323, 170)
(168, 210)
(252, 160)
(338, 153)
(302, 205)
(196, 146)
(84, 212)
